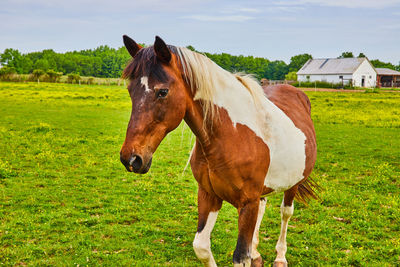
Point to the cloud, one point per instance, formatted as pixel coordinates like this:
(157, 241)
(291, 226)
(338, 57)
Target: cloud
(104, 5)
(342, 3)
(208, 18)
(249, 10)
(391, 27)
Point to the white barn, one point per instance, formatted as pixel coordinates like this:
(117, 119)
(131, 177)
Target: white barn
(358, 71)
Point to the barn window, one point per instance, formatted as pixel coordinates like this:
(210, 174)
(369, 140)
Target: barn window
(370, 76)
(341, 77)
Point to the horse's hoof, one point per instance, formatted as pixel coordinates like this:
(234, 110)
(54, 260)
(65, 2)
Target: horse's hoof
(280, 264)
(258, 262)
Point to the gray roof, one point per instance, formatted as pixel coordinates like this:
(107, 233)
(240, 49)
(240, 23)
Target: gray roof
(331, 66)
(385, 71)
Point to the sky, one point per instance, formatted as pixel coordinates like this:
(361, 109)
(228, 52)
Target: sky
(276, 30)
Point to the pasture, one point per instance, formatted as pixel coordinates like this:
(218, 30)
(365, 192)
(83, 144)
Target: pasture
(65, 198)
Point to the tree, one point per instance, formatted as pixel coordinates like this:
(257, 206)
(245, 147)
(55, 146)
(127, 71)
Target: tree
(296, 62)
(362, 55)
(9, 56)
(27, 65)
(291, 76)
(346, 55)
(37, 74)
(276, 70)
(41, 64)
(12, 58)
(190, 48)
(379, 64)
(7, 72)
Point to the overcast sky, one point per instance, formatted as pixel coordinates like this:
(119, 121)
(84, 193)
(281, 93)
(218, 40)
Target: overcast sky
(270, 29)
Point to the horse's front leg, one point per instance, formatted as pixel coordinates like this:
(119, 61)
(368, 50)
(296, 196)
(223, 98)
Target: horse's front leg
(248, 214)
(208, 207)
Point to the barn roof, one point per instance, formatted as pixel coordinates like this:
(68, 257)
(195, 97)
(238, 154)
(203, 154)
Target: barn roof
(385, 71)
(331, 66)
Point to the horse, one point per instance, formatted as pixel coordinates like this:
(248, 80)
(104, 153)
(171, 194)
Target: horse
(250, 141)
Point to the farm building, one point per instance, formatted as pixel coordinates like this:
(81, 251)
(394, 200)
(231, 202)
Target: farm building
(358, 71)
(387, 77)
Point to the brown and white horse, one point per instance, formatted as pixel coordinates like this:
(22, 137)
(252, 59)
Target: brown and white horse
(250, 141)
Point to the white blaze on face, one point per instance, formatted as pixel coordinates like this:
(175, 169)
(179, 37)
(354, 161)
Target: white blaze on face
(145, 82)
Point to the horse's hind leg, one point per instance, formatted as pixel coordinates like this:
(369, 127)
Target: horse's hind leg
(256, 259)
(287, 208)
(208, 207)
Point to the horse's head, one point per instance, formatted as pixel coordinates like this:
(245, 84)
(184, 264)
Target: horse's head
(158, 95)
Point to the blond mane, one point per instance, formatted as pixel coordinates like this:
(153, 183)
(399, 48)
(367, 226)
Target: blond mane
(205, 78)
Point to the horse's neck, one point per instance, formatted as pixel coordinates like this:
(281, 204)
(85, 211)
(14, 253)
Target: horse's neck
(194, 118)
(241, 108)
(207, 130)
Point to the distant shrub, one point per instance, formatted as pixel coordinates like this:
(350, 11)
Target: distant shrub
(73, 77)
(53, 76)
(291, 76)
(321, 84)
(373, 90)
(7, 73)
(36, 74)
(90, 80)
(7, 70)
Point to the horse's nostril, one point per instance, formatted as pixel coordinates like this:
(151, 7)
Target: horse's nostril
(132, 160)
(136, 162)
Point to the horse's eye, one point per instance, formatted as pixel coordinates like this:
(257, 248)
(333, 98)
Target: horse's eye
(162, 93)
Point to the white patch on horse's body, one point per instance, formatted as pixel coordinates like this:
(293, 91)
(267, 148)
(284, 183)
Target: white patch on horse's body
(202, 243)
(245, 101)
(145, 82)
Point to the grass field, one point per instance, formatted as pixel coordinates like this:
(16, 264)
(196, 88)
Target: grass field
(66, 200)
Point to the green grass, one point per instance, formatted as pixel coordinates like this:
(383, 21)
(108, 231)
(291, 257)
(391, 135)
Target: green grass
(65, 199)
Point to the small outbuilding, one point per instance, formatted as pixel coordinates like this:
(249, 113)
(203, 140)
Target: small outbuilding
(387, 77)
(356, 71)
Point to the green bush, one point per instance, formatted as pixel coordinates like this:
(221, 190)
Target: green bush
(321, 84)
(73, 77)
(36, 74)
(291, 76)
(90, 80)
(7, 73)
(53, 76)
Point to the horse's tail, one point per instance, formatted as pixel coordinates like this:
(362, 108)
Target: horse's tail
(307, 190)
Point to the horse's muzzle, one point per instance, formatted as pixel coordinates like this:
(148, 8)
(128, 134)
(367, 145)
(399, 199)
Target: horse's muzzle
(135, 164)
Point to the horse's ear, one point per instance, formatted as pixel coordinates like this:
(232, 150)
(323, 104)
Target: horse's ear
(162, 50)
(131, 45)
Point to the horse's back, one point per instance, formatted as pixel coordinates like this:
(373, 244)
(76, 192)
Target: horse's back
(296, 105)
(285, 96)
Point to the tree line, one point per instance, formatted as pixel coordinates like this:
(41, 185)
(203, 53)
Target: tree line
(107, 62)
